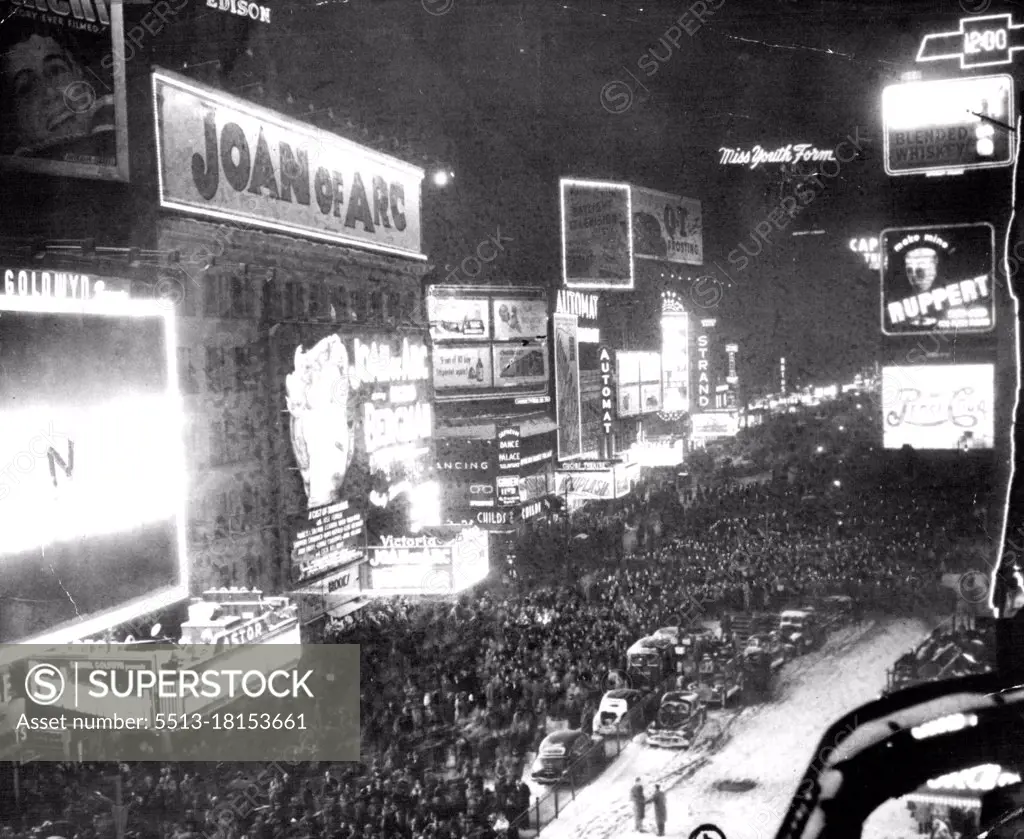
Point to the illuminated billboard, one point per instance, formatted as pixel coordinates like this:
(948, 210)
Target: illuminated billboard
(948, 125)
(568, 410)
(488, 343)
(938, 279)
(638, 382)
(675, 354)
(92, 492)
(362, 426)
(597, 241)
(941, 406)
(667, 227)
(226, 159)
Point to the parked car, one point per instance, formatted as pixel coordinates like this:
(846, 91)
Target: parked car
(568, 755)
(719, 679)
(801, 629)
(621, 712)
(679, 720)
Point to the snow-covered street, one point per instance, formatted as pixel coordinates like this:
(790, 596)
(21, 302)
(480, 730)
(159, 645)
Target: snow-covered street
(744, 775)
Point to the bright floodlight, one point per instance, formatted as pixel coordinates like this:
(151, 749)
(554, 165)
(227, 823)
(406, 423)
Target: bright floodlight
(441, 177)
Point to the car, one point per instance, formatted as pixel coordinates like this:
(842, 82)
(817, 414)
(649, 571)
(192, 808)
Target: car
(838, 604)
(679, 720)
(672, 633)
(800, 629)
(717, 680)
(566, 755)
(620, 712)
(650, 661)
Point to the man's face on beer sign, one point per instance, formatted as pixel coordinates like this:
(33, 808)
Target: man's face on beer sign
(922, 266)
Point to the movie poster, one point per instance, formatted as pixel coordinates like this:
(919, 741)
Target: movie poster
(567, 388)
(361, 419)
(63, 90)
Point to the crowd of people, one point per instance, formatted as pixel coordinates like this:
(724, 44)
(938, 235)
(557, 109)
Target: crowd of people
(456, 695)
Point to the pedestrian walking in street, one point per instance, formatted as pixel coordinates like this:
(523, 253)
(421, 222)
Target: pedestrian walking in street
(658, 800)
(639, 804)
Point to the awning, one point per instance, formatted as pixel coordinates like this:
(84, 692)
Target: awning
(488, 430)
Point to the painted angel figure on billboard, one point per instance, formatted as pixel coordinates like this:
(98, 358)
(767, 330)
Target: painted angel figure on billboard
(321, 428)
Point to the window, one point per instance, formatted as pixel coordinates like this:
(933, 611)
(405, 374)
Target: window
(248, 442)
(248, 502)
(291, 301)
(376, 306)
(359, 305)
(410, 307)
(188, 382)
(319, 302)
(220, 518)
(243, 298)
(394, 312)
(231, 439)
(243, 368)
(218, 369)
(216, 297)
(339, 298)
(236, 521)
(218, 443)
(197, 445)
(214, 363)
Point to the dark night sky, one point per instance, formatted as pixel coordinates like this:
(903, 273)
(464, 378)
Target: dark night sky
(510, 94)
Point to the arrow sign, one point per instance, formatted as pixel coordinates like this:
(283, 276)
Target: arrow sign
(707, 831)
(979, 42)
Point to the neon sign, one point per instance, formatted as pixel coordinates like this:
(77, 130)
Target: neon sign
(988, 41)
(792, 153)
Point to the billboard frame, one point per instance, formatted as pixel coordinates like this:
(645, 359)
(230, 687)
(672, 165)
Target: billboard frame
(967, 167)
(933, 228)
(562, 184)
(123, 306)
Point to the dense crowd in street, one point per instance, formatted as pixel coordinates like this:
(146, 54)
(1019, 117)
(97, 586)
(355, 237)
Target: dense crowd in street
(456, 695)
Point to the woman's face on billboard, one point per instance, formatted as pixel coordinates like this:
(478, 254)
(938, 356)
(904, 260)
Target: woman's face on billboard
(36, 75)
